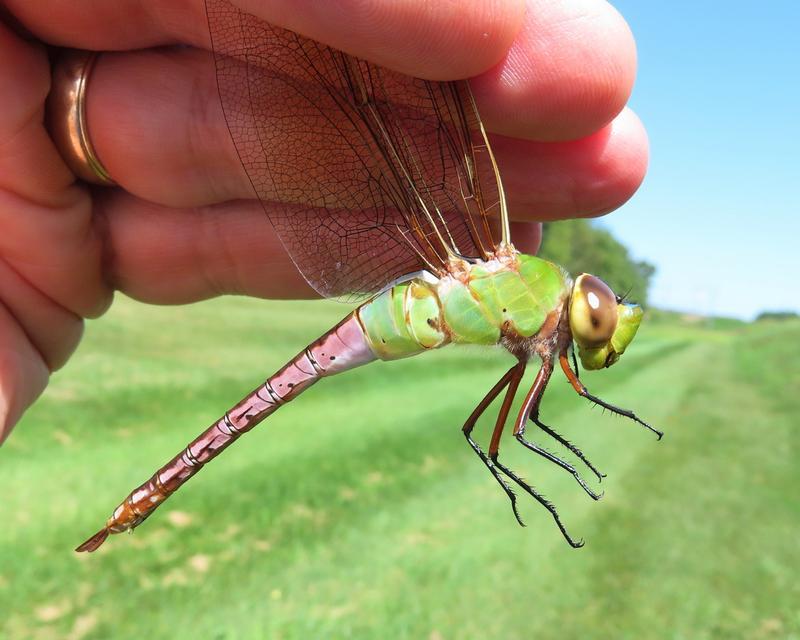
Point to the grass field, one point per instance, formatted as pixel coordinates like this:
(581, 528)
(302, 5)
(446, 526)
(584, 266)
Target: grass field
(359, 512)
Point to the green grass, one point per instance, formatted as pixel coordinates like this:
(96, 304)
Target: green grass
(358, 511)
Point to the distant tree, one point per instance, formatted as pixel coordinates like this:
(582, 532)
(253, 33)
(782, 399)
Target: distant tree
(777, 315)
(579, 246)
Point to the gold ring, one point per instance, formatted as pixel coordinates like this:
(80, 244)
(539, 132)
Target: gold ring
(66, 116)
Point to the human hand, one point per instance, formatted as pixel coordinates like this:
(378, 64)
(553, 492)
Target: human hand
(179, 228)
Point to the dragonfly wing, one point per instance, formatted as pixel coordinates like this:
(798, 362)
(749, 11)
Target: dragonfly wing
(366, 174)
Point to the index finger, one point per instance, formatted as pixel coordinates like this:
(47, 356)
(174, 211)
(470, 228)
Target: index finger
(437, 41)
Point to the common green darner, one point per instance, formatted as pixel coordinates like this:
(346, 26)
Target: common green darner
(429, 248)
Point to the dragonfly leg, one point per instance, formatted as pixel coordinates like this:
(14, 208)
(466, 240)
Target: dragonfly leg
(566, 443)
(514, 373)
(531, 408)
(541, 379)
(536, 391)
(575, 362)
(582, 391)
(511, 380)
(534, 416)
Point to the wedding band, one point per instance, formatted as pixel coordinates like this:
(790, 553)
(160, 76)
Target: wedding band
(66, 116)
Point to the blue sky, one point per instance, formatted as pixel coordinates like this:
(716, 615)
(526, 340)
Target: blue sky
(718, 89)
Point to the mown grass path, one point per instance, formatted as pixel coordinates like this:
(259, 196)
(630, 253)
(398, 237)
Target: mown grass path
(358, 511)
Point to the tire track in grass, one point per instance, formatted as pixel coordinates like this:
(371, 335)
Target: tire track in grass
(366, 524)
(718, 552)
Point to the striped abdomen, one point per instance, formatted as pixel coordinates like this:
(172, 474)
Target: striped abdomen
(343, 347)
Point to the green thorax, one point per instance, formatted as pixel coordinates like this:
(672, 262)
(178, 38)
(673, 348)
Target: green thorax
(477, 303)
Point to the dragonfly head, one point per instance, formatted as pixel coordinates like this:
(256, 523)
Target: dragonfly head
(602, 324)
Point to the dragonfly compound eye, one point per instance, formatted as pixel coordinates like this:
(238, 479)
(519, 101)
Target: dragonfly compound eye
(592, 312)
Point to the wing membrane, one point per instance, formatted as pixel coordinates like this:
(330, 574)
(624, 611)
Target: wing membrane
(366, 174)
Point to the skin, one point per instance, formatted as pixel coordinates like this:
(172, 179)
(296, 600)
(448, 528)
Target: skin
(551, 81)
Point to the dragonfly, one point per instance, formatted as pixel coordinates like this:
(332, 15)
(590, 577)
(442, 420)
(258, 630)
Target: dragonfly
(384, 191)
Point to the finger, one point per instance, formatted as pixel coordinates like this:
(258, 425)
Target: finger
(24, 76)
(583, 178)
(98, 25)
(50, 328)
(29, 164)
(429, 40)
(46, 235)
(155, 120)
(527, 236)
(565, 68)
(569, 72)
(435, 40)
(23, 374)
(156, 123)
(175, 256)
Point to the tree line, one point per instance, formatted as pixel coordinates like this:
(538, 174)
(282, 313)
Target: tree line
(581, 247)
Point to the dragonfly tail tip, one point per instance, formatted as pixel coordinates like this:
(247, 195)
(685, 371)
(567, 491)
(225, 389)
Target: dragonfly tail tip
(95, 541)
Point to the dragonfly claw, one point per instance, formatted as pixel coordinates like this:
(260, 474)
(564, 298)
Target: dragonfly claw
(559, 462)
(625, 413)
(571, 447)
(541, 500)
